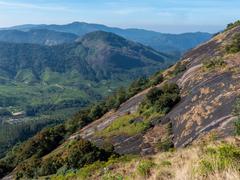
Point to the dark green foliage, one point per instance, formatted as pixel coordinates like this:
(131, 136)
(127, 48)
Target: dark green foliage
(236, 107)
(28, 169)
(138, 85)
(4, 169)
(47, 140)
(153, 94)
(97, 111)
(17, 132)
(236, 112)
(50, 138)
(78, 154)
(82, 152)
(156, 79)
(216, 62)
(233, 25)
(234, 46)
(161, 100)
(179, 68)
(5, 112)
(237, 127)
(42, 80)
(34, 60)
(120, 96)
(40, 145)
(165, 145)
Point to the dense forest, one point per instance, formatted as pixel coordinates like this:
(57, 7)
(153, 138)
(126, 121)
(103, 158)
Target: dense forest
(48, 84)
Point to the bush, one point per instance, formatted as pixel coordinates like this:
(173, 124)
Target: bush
(179, 68)
(28, 169)
(161, 100)
(236, 112)
(144, 168)
(165, 145)
(138, 86)
(213, 63)
(233, 25)
(234, 46)
(156, 79)
(237, 127)
(219, 158)
(83, 152)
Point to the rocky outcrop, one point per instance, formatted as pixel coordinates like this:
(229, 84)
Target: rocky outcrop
(208, 96)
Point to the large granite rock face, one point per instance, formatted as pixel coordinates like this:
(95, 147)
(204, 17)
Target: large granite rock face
(208, 96)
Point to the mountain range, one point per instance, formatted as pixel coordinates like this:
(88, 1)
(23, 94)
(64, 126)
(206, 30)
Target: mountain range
(175, 44)
(179, 123)
(47, 84)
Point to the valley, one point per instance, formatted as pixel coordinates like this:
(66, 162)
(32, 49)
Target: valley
(50, 83)
(181, 122)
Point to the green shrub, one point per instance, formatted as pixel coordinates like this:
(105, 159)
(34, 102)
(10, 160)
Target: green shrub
(217, 159)
(236, 112)
(236, 107)
(179, 68)
(237, 127)
(160, 100)
(82, 152)
(234, 46)
(165, 145)
(144, 168)
(214, 63)
(233, 25)
(137, 86)
(156, 79)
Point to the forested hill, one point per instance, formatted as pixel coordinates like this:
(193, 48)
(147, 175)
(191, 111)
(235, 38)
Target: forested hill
(175, 44)
(47, 84)
(98, 55)
(37, 36)
(194, 104)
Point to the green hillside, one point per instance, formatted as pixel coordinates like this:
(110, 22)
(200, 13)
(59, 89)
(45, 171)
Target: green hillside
(47, 84)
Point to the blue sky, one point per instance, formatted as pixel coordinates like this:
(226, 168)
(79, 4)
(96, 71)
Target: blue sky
(174, 16)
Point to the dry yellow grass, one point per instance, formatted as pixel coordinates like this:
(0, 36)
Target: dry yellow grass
(182, 164)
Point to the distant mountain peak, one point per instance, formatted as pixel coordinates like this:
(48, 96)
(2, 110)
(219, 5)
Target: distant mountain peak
(103, 36)
(174, 44)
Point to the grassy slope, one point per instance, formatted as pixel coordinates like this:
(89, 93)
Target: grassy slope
(207, 160)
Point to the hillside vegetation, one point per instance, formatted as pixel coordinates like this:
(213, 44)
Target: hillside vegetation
(181, 123)
(48, 84)
(208, 160)
(175, 44)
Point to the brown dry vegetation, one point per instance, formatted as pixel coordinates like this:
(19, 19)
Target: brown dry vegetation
(203, 160)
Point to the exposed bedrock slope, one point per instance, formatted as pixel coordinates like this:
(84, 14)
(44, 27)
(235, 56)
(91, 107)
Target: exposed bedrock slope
(208, 96)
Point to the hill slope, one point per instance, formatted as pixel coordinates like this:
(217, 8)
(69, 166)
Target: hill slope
(38, 36)
(169, 43)
(208, 77)
(192, 102)
(97, 55)
(47, 84)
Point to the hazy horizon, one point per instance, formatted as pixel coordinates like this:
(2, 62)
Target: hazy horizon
(169, 16)
(164, 29)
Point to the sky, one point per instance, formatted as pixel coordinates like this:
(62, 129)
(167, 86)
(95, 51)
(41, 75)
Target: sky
(171, 16)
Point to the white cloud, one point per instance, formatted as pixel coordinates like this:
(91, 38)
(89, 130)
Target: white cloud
(49, 7)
